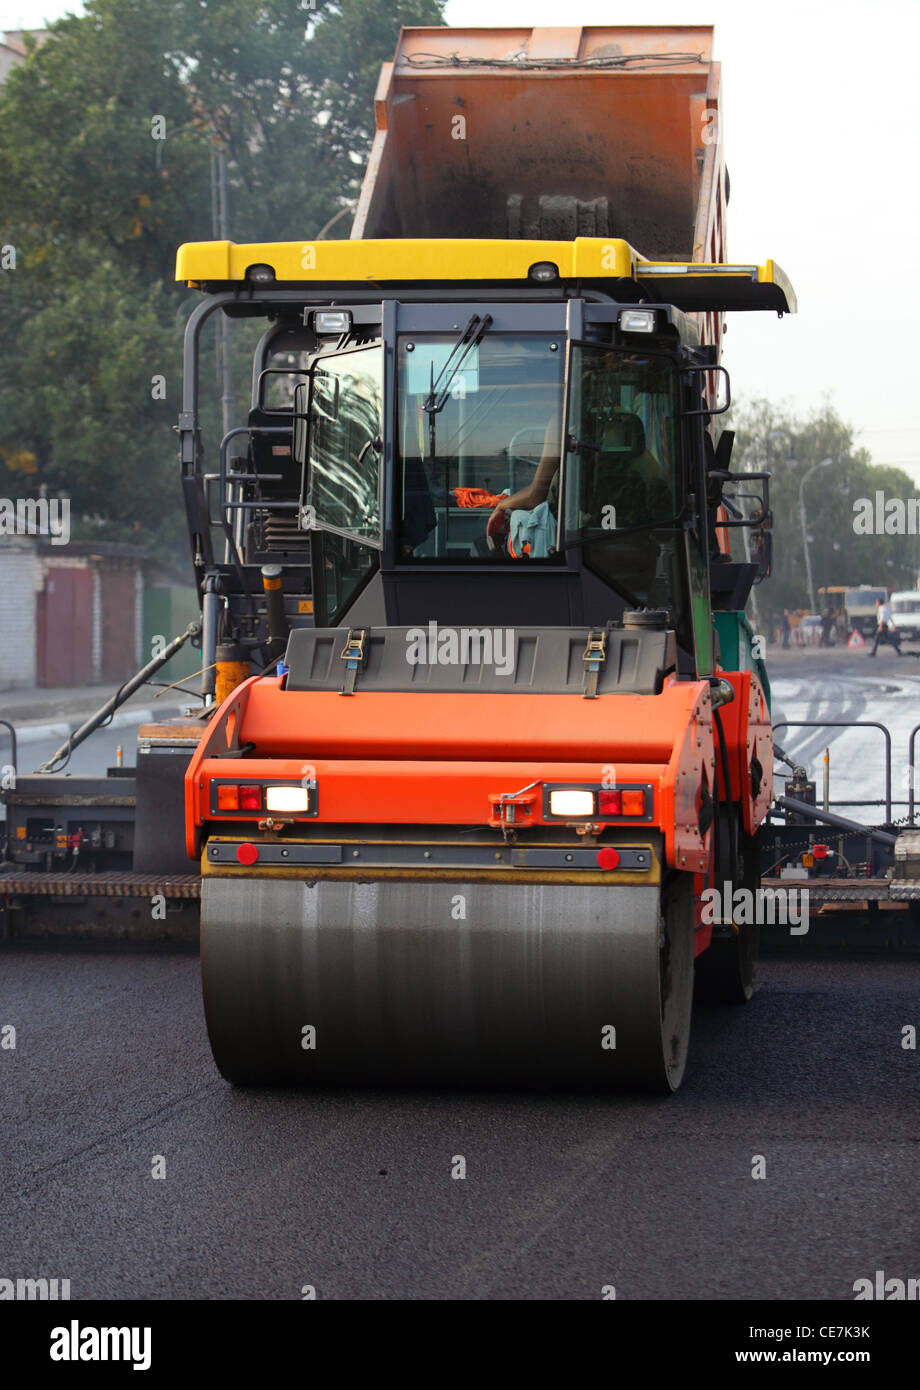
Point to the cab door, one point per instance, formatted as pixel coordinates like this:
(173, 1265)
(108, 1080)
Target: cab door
(341, 451)
(624, 485)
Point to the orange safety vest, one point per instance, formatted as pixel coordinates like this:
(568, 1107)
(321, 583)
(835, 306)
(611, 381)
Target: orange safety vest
(475, 497)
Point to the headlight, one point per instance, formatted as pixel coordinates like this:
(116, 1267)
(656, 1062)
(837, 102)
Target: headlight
(286, 798)
(637, 320)
(332, 320)
(571, 803)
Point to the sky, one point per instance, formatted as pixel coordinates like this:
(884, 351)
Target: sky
(821, 112)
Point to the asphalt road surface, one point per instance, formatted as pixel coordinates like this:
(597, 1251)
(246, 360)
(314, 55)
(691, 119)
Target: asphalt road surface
(352, 1193)
(786, 1167)
(90, 758)
(817, 686)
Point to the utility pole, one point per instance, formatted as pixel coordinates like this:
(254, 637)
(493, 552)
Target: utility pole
(805, 476)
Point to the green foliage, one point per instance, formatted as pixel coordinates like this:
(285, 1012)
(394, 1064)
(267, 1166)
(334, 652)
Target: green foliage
(771, 438)
(79, 387)
(96, 207)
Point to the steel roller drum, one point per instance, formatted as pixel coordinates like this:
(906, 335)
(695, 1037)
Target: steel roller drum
(447, 983)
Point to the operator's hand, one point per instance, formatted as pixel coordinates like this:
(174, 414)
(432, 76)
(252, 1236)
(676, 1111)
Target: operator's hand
(496, 527)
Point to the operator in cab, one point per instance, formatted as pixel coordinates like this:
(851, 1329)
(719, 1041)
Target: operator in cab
(626, 485)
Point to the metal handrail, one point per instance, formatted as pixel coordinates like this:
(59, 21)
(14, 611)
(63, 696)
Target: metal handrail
(233, 550)
(7, 725)
(910, 772)
(850, 724)
(252, 477)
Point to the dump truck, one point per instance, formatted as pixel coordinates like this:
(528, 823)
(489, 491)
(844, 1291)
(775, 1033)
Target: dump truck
(856, 605)
(458, 832)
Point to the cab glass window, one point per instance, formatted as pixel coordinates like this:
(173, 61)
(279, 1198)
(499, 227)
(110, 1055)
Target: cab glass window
(499, 419)
(344, 443)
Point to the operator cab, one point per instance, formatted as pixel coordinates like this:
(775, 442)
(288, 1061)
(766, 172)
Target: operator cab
(560, 475)
(513, 440)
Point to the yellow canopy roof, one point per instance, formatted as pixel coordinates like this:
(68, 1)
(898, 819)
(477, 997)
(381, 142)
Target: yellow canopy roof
(686, 284)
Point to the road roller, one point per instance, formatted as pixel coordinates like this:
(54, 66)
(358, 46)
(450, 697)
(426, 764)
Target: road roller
(486, 557)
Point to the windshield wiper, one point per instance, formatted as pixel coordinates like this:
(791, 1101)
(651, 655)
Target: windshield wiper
(470, 338)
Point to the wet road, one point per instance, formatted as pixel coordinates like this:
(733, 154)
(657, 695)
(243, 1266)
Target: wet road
(354, 1193)
(819, 686)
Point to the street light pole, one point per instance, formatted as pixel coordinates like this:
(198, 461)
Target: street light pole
(805, 476)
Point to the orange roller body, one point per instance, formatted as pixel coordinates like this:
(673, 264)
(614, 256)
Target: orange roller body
(395, 759)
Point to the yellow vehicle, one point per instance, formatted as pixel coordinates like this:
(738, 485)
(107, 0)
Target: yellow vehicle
(854, 607)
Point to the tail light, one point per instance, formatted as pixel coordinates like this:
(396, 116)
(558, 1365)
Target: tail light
(254, 798)
(587, 802)
(232, 796)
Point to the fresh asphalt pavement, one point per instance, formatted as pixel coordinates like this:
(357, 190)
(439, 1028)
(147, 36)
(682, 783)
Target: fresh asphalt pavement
(353, 1194)
(787, 1166)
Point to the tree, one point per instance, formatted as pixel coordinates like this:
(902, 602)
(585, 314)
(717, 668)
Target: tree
(104, 161)
(771, 438)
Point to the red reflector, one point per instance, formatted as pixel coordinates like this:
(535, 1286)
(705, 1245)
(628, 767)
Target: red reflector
(819, 851)
(247, 854)
(250, 798)
(610, 803)
(608, 858)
